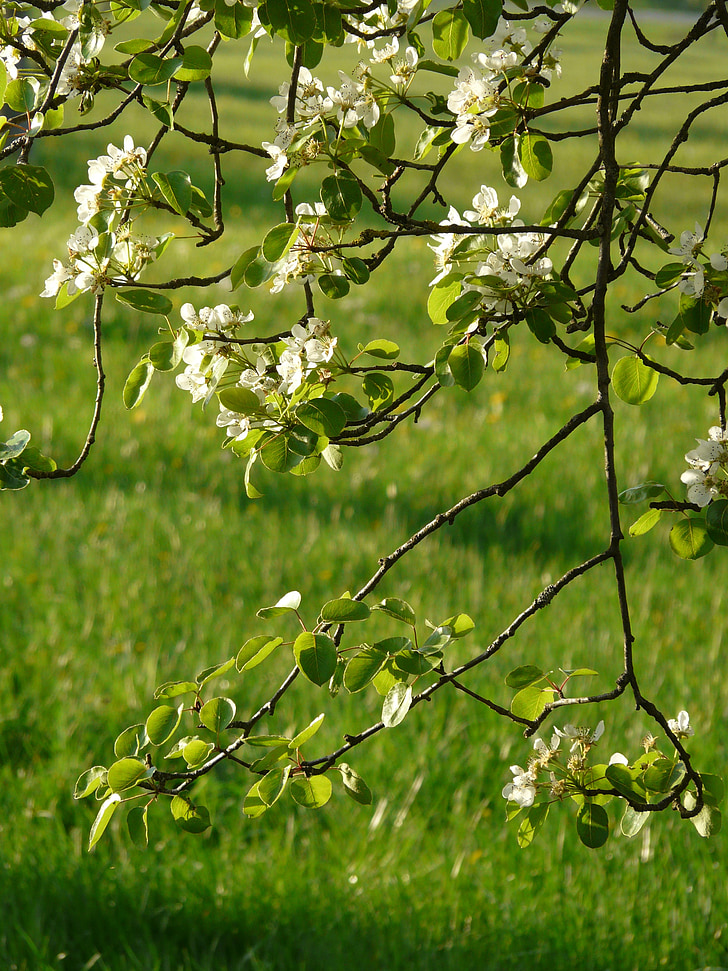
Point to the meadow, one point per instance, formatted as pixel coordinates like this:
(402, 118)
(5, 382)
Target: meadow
(151, 565)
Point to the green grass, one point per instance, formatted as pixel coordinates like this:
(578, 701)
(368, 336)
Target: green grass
(152, 563)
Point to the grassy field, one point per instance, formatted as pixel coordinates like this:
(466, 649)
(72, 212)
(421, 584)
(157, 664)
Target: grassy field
(152, 563)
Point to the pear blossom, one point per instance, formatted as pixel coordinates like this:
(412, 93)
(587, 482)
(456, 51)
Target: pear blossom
(581, 737)
(280, 161)
(405, 67)
(522, 789)
(680, 726)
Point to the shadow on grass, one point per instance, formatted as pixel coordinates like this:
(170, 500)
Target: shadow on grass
(94, 915)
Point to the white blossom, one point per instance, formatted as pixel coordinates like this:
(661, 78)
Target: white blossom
(680, 726)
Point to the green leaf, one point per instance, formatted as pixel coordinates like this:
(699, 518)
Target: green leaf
(513, 171)
(294, 20)
(450, 31)
(138, 827)
(15, 445)
(130, 741)
(243, 401)
(342, 196)
(362, 668)
(713, 789)
(645, 523)
(536, 157)
(217, 713)
(152, 69)
(176, 188)
(524, 675)
(663, 775)
(669, 274)
(356, 270)
(385, 349)
(633, 381)
(28, 187)
(165, 355)
(103, 818)
(145, 301)
(708, 820)
(638, 493)
(689, 539)
(467, 366)
(255, 650)
(196, 752)
(323, 416)
(483, 16)
(253, 805)
(233, 21)
(126, 773)
(632, 821)
(343, 611)
(196, 65)
(540, 324)
(531, 824)
(289, 603)
(313, 792)
(89, 781)
(279, 455)
(383, 137)
(442, 296)
(279, 240)
(592, 825)
(396, 704)
(273, 784)
(162, 723)
(399, 609)
(21, 95)
(188, 816)
(716, 520)
(172, 689)
(316, 656)
(215, 671)
(627, 781)
(237, 274)
(460, 625)
(307, 733)
(379, 390)
(334, 285)
(137, 383)
(354, 785)
(531, 701)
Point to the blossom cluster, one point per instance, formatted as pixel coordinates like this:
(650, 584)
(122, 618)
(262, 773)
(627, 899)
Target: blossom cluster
(356, 100)
(506, 265)
(700, 279)
(563, 770)
(101, 253)
(478, 92)
(707, 477)
(278, 371)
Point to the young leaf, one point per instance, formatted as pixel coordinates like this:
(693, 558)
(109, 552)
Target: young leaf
(316, 656)
(633, 381)
(344, 611)
(145, 301)
(217, 713)
(450, 30)
(137, 824)
(362, 668)
(536, 157)
(396, 704)
(592, 825)
(103, 818)
(467, 366)
(255, 650)
(163, 722)
(354, 785)
(305, 734)
(645, 523)
(188, 816)
(313, 792)
(689, 539)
